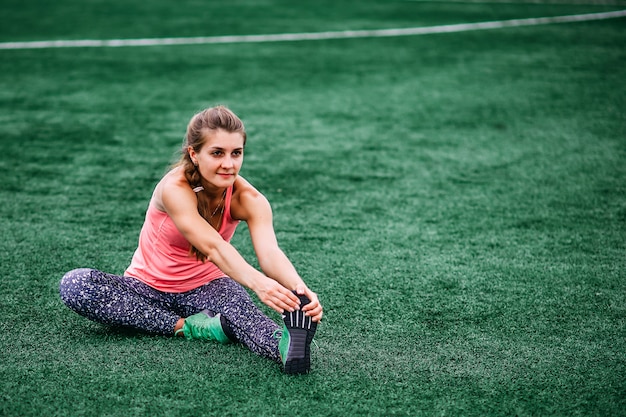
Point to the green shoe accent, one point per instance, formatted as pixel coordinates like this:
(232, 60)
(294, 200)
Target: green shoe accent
(283, 344)
(204, 326)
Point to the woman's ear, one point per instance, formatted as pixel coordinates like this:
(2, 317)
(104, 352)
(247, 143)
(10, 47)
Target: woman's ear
(192, 155)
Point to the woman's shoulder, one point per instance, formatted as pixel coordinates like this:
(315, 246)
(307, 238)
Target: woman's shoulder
(246, 199)
(242, 189)
(173, 180)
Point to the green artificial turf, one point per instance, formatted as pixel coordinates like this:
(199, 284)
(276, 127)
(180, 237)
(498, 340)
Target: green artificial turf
(458, 201)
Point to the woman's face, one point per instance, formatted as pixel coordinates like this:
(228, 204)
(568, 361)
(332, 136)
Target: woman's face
(220, 158)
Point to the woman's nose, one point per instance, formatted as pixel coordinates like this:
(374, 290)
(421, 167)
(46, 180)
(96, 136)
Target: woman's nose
(227, 162)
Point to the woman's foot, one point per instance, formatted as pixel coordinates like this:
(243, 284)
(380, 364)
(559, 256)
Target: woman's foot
(295, 344)
(205, 325)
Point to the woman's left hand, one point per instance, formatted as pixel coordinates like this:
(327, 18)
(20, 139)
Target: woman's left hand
(314, 308)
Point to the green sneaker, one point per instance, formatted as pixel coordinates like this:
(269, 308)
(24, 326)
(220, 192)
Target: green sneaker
(295, 343)
(205, 326)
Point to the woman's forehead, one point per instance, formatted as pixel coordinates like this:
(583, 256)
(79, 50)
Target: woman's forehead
(223, 139)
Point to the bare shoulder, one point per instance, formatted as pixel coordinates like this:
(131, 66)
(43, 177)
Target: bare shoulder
(247, 201)
(172, 186)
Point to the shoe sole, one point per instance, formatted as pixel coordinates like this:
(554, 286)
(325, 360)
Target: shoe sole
(301, 331)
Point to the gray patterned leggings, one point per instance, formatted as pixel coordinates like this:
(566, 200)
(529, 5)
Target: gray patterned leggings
(124, 301)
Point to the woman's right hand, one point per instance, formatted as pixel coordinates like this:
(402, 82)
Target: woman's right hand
(275, 296)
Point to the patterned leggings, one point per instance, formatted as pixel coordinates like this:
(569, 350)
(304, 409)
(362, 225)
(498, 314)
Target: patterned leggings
(124, 301)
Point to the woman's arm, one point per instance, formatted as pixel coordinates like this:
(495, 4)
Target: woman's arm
(180, 203)
(257, 212)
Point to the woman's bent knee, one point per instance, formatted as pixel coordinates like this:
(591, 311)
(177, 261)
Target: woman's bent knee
(73, 284)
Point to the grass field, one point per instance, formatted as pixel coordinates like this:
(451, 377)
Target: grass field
(457, 200)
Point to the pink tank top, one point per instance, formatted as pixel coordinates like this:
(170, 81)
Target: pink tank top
(162, 257)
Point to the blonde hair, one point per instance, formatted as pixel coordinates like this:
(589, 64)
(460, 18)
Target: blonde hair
(199, 128)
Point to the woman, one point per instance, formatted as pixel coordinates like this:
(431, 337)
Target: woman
(185, 278)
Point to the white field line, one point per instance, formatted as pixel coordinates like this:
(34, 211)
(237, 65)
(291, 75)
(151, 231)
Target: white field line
(376, 33)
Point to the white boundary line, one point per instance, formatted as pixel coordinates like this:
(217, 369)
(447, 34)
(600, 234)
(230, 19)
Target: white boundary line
(463, 27)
